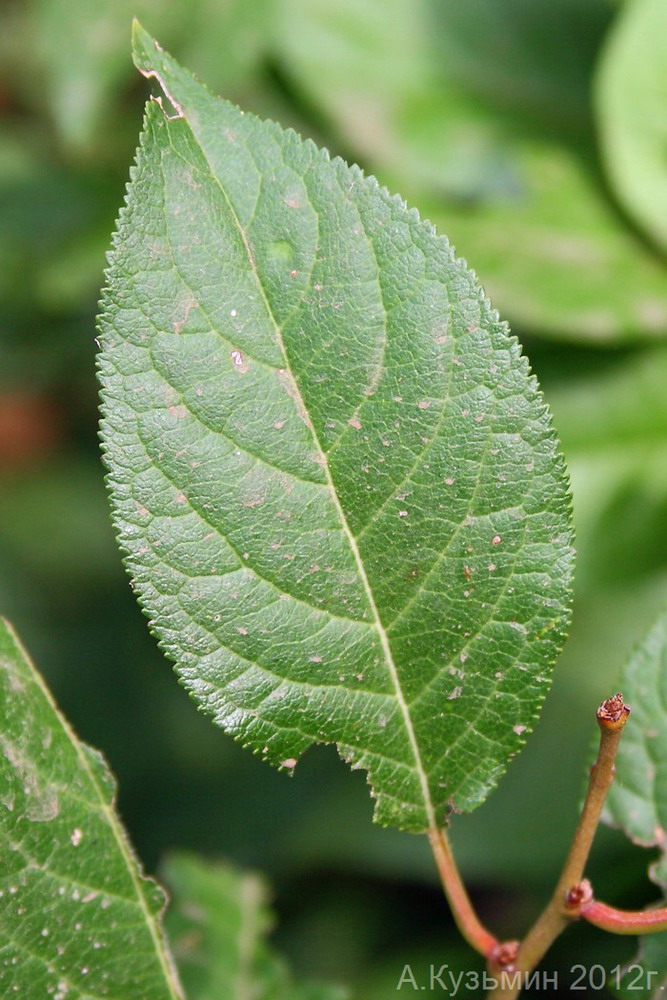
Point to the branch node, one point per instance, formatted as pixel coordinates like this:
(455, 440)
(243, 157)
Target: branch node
(576, 897)
(504, 955)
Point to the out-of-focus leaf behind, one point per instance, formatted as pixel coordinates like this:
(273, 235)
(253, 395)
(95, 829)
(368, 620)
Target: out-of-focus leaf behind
(217, 923)
(441, 100)
(637, 800)
(631, 100)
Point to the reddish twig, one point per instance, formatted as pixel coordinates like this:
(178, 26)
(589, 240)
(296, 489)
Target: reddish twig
(608, 918)
(563, 907)
(467, 921)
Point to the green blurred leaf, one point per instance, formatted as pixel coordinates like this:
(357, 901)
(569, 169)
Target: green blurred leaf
(554, 254)
(54, 520)
(612, 422)
(646, 975)
(531, 57)
(217, 923)
(631, 102)
(82, 51)
(46, 212)
(637, 800)
(77, 917)
(413, 95)
(334, 476)
(227, 41)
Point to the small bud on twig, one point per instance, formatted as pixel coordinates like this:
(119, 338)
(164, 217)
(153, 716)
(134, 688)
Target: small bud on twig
(577, 895)
(613, 713)
(504, 955)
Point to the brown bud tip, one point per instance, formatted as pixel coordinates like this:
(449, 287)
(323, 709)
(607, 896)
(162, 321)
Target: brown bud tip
(504, 955)
(613, 712)
(578, 894)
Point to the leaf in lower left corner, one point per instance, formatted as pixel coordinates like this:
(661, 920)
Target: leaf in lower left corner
(77, 918)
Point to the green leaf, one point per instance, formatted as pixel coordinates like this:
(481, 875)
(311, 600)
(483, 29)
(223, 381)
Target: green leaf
(555, 255)
(77, 918)
(631, 101)
(646, 975)
(485, 146)
(217, 923)
(637, 801)
(533, 57)
(78, 89)
(335, 479)
(226, 38)
(612, 422)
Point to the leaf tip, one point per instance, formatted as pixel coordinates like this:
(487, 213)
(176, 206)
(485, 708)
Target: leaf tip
(152, 61)
(142, 47)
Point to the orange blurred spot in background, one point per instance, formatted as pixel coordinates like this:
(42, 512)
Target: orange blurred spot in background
(30, 428)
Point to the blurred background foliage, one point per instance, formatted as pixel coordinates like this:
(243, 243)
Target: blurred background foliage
(532, 133)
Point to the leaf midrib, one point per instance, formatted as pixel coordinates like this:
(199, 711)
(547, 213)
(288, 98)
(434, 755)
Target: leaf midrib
(300, 402)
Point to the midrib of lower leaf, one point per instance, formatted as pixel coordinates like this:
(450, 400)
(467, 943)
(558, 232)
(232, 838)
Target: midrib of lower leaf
(301, 405)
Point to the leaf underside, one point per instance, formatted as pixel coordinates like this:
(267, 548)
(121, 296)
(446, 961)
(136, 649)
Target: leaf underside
(333, 475)
(77, 919)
